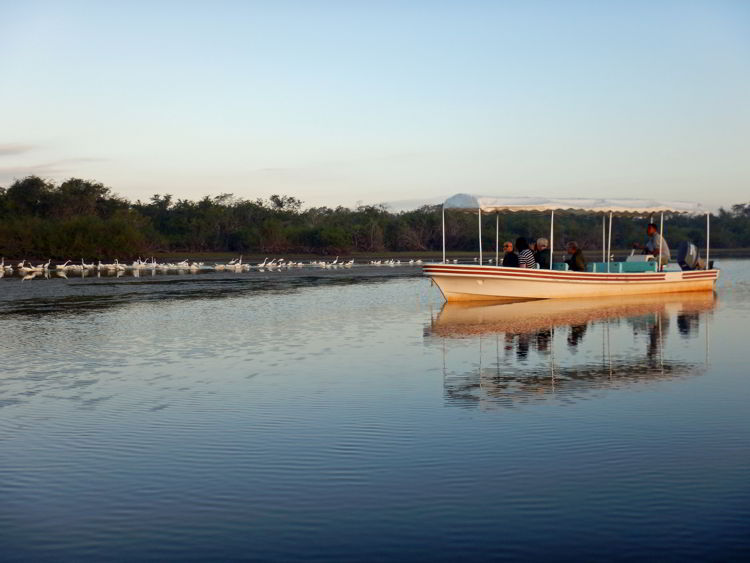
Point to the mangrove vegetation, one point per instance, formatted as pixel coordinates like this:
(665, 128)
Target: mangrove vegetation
(82, 218)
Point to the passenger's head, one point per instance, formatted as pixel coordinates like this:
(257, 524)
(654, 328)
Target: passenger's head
(651, 229)
(542, 243)
(521, 244)
(572, 247)
(507, 246)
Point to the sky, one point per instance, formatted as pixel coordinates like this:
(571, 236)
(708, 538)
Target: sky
(361, 102)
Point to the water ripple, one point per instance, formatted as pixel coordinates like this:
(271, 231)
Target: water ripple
(329, 420)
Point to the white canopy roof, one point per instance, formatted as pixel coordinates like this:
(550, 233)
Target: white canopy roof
(467, 202)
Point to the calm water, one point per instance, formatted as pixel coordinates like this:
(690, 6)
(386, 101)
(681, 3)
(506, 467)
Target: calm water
(349, 417)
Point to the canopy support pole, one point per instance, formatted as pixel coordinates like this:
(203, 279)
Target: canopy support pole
(661, 241)
(497, 238)
(609, 242)
(443, 234)
(708, 237)
(551, 238)
(604, 238)
(480, 236)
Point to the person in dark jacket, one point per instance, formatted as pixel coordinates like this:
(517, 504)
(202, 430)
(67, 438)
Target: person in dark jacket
(576, 261)
(541, 255)
(510, 258)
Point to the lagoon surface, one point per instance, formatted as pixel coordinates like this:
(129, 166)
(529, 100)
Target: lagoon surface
(350, 416)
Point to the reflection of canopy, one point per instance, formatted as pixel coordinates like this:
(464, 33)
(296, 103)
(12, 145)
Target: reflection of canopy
(489, 388)
(462, 319)
(467, 202)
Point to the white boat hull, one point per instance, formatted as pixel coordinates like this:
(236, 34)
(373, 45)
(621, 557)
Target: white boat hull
(460, 282)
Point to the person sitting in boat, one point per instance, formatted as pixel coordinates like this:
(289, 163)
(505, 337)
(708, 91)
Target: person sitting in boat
(576, 261)
(656, 245)
(542, 253)
(525, 255)
(510, 258)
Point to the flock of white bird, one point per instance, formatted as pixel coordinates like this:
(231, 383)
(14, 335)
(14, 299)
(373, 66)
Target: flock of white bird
(28, 271)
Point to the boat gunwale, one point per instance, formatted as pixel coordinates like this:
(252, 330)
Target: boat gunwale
(557, 276)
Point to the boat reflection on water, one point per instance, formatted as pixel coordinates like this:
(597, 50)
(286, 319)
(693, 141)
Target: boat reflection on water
(503, 355)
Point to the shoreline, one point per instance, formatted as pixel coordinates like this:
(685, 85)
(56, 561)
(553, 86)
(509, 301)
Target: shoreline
(361, 258)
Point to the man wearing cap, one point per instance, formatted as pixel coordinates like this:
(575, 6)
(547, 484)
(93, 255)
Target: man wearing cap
(656, 245)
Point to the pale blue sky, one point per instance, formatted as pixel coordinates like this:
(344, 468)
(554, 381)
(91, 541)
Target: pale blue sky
(337, 102)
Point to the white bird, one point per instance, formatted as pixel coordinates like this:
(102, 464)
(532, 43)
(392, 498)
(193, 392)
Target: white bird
(23, 269)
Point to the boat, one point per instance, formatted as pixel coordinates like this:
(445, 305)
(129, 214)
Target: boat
(639, 275)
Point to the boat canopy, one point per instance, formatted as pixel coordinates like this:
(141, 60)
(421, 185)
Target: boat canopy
(624, 206)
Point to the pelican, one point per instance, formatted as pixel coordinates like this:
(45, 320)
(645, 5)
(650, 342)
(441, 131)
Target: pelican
(62, 267)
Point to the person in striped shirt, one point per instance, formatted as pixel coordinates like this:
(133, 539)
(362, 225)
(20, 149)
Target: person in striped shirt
(525, 255)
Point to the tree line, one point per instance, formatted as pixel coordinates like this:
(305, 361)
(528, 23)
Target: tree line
(85, 218)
